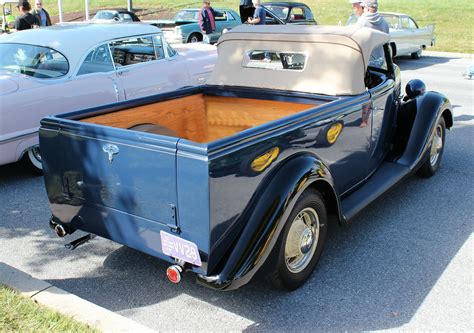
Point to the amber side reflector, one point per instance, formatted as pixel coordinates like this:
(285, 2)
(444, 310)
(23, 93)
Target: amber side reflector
(333, 132)
(263, 161)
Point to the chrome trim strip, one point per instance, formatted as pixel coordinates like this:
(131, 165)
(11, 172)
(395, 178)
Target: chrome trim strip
(18, 137)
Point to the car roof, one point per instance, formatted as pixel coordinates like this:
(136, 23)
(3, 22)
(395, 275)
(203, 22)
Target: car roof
(336, 63)
(393, 13)
(74, 39)
(286, 4)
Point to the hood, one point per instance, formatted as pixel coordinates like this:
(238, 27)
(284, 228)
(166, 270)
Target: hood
(7, 85)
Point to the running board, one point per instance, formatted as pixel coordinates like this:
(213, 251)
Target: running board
(387, 175)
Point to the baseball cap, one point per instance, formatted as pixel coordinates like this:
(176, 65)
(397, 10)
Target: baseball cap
(355, 1)
(369, 3)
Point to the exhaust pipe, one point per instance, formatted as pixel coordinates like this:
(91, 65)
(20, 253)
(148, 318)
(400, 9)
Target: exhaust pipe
(60, 231)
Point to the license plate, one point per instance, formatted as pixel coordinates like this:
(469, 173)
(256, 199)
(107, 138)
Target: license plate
(179, 248)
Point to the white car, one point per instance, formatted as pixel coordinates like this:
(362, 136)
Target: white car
(406, 37)
(75, 66)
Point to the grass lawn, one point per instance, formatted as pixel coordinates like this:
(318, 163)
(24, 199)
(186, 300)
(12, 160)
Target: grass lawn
(453, 19)
(20, 314)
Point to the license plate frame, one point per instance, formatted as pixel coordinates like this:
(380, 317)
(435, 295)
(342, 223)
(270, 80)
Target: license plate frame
(178, 248)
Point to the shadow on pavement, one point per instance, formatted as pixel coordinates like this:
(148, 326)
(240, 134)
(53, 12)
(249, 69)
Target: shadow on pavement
(407, 63)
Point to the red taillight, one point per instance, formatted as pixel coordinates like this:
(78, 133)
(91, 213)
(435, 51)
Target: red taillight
(174, 273)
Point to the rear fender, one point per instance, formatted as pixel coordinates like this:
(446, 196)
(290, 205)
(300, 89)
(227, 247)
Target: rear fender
(271, 207)
(430, 107)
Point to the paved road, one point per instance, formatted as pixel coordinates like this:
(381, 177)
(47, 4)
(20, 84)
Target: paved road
(407, 263)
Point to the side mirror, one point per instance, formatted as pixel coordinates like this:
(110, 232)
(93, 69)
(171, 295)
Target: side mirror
(415, 88)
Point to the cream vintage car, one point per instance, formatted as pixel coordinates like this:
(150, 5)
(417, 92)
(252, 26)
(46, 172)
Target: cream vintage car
(406, 36)
(75, 66)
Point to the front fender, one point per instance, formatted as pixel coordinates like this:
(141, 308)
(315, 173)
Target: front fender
(429, 108)
(272, 204)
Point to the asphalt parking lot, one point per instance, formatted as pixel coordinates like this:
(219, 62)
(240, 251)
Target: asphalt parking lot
(405, 264)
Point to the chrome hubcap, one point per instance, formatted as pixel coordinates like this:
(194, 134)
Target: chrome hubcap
(436, 145)
(302, 240)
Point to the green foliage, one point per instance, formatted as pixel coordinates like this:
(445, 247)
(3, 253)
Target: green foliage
(20, 314)
(453, 19)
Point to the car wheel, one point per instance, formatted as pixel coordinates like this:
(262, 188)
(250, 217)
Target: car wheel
(417, 54)
(32, 159)
(433, 160)
(301, 243)
(194, 38)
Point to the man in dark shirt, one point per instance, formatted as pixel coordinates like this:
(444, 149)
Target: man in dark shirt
(26, 20)
(207, 20)
(259, 14)
(246, 10)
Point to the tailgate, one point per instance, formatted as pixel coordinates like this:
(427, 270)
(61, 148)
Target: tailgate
(126, 171)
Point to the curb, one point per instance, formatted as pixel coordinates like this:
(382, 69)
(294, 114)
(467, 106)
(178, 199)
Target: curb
(67, 303)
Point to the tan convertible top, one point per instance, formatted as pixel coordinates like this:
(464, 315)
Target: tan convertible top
(335, 64)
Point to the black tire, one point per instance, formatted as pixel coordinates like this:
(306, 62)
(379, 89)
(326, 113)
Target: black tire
(417, 54)
(194, 38)
(433, 158)
(285, 275)
(32, 160)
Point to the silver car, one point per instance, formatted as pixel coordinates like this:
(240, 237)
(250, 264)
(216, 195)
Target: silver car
(75, 66)
(406, 37)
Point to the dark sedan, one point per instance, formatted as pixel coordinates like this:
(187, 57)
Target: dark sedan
(291, 12)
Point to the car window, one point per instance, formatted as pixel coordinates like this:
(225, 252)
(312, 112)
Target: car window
(125, 17)
(158, 43)
(280, 11)
(230, 17)
(392, 21)
(412, 24)
(186, 15)
(297, 14)
(377, 59)
(274, 60)
(104, 15)
(405, 23)
(36, 61)
(170, 52)
(222, 17)
(131, 51)
(97, 61)
(308, 14)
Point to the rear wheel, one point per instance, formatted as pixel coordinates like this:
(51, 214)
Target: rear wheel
(433, 160)
(32, 159)
(301, 243)
(417, 54)
(194, 38)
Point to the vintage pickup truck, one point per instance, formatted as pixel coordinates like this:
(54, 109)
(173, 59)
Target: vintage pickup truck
(297, 127)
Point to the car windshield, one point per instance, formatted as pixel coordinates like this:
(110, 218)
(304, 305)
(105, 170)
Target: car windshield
(31, 60)
(392, 21)
(280, 11)
(105, 15)
(186, 15)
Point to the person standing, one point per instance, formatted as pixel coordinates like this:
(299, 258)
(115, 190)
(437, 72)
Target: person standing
(246, 10)
(41, 14)
(26, 20)
(357, 8)
(207, 20)
(371, 18)
(258, 15)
